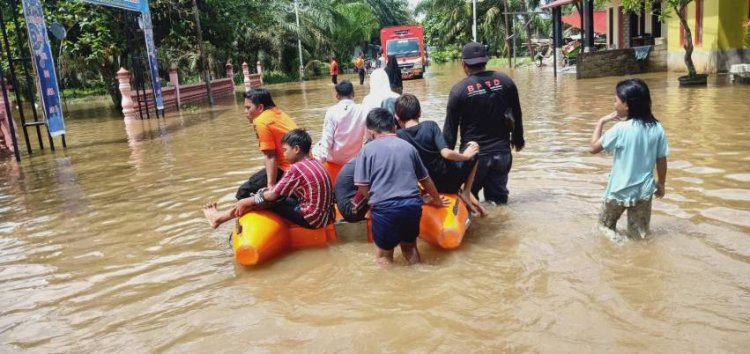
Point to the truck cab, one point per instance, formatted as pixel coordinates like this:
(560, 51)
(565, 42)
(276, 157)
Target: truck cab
(407, 44)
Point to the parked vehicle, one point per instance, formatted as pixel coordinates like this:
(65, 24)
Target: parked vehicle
(407, 44)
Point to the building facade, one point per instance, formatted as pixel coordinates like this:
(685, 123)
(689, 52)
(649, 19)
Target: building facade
(717, 30)
(716, 26)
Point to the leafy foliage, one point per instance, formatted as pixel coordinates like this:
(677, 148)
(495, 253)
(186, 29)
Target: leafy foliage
(100, 39)
(449, 22)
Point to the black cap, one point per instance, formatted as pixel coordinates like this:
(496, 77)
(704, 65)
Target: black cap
(474, 53)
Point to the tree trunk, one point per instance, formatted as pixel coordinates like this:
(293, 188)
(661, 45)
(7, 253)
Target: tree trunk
(529, 34)
(688, 42)
(527, 27)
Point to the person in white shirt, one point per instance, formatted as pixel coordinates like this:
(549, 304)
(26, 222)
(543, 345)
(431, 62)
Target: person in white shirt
(344, 131)
(380, 95)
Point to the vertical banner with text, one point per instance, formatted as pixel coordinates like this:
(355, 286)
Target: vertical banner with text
(45, 66)
(148, 32)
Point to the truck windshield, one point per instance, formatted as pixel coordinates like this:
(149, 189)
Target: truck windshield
(403, 47)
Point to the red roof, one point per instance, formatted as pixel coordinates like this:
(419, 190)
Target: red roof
(600, 20)
(558, 3)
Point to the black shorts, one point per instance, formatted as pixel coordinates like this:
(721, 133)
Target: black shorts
(455, 176)
(255, 183)
(396, 221)
(289, 209)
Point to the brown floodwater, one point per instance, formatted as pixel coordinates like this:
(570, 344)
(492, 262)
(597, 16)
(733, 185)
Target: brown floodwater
(103, 247)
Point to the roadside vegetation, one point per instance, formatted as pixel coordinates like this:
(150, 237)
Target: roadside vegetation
(100, 39)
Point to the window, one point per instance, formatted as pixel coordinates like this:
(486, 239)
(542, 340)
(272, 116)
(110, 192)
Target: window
(403, 47)
(698, 22)
(655, 23)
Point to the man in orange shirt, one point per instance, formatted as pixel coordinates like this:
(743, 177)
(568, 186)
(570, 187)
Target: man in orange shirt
(270, 125)
(334, 70)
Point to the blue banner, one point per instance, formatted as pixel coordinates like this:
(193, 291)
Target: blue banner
(148, 32)
(45, 66)
(132, 5)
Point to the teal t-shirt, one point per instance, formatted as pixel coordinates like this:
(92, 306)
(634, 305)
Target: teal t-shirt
(635, 147)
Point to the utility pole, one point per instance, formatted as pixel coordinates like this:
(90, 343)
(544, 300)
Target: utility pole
(507, 35)
(299, 42)
(474, 27)
(206, 76)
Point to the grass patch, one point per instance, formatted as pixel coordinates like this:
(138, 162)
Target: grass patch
(191, 108)
(517, 61)
(84, 92)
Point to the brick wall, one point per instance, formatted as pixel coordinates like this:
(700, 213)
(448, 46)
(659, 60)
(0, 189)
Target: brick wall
(616, 62)
(657, 59)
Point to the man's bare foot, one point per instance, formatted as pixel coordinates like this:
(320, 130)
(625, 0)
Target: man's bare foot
(462, 197)
(478, 206)
(212, 214)
(472, 203)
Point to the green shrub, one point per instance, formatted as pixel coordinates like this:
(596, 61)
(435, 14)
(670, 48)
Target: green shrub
(276, 76)
(84, 92)
(316, 68)
(447, 54)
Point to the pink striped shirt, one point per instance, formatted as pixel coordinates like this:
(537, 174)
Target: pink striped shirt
(308, 181)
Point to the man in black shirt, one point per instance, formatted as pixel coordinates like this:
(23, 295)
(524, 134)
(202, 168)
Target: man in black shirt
(477, 107)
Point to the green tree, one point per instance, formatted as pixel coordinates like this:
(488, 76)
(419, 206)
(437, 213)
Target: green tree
(360, 25)
(678, 6)
(100, 37)
(449, 22)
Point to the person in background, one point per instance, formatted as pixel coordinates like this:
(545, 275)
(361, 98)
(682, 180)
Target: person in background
(359, 64)
(394, 74)
(304, 196)
(6, 140)
(386, 172)
(334, 70)
(638, 144)
(479, 107)
(380, 95)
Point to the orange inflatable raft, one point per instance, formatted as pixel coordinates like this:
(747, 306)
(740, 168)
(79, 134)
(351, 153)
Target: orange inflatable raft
(262, 235)
(441, 227)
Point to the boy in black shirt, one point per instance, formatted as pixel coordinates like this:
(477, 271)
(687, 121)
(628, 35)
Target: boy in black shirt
(448, 169)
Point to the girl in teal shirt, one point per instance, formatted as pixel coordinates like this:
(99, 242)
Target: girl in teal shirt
(638, 144)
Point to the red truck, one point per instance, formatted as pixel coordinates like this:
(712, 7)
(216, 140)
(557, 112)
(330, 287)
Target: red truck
(407, 44)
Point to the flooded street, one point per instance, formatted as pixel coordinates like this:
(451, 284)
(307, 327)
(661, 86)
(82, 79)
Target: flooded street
(103, 247)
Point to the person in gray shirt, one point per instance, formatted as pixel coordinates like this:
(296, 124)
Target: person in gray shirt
(386, 172)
